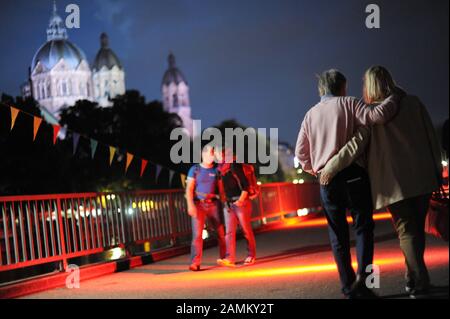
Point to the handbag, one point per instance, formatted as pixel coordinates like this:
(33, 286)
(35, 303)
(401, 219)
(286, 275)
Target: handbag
(436, 222)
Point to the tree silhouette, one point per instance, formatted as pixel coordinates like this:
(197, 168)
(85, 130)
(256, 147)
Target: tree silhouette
(233, 124)
(131, 124)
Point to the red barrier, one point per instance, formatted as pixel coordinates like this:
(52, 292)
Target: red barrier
(40, 229)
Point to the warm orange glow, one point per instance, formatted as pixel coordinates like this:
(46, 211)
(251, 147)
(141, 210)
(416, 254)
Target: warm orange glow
(382, 216)
(299, 223)
(389, 260)
(290, 221)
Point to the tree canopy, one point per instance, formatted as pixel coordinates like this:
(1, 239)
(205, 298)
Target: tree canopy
(131, 124)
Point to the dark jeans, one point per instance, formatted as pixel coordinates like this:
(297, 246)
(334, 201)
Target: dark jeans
(409, 221)
(209, 212)
(350, 189)
(233, 215)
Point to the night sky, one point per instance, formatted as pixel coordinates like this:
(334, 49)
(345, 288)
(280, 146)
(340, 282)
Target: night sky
(252, 60)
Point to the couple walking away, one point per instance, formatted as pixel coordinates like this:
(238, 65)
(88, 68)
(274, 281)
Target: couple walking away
(371, 154)
(211, 187)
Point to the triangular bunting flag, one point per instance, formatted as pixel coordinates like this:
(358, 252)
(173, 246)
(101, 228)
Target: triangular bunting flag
(112, 151)
(76, 139)
(36, 124)
(171, 173)
(158, 171)
(183, 180)
(94, 145)
(56, 129)
(14, 113)
(129, 160)
(143, 166)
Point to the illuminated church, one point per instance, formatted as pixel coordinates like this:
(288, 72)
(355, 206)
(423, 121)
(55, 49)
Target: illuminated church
(175, 94)
(60, 75)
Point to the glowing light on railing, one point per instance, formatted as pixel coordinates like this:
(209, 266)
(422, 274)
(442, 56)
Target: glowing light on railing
(299, 171)
(103, 201)
(134, 205)
(302, 212)
(264, 220)
(130, 211)
(113, 196)
(82, 212)
(116, 253)
(108, 197)
(295, 181)
(444, 163)
(301, 181)
(69, 214)
(205, 234)
(296, 162)
(73, 214)
(258, 183)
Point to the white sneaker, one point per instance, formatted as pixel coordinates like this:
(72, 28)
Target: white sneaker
(249, 261)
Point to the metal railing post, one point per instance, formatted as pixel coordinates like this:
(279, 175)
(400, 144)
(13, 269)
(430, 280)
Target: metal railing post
(261, 205)
(173, 223)
(280, 204)
(127, 238)
(61, 234)
(297, 201)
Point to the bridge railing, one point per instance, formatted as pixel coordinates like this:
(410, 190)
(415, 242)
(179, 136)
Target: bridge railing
(41, 229)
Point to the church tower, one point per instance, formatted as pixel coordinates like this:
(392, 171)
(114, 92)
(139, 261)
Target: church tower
(108, 74)
(175, 94)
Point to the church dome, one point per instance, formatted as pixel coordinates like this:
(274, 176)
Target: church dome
(57, 46)
(105, 56)
(173, 74)
(54, 50)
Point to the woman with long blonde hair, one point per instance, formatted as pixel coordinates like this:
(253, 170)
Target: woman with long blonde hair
(403, 162)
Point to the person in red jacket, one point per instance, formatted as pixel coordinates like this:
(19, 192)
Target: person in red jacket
(234, 188)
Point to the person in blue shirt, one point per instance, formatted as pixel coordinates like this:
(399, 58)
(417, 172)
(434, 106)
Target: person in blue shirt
(204, 205)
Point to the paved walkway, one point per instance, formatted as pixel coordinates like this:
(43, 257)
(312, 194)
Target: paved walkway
(294, 262)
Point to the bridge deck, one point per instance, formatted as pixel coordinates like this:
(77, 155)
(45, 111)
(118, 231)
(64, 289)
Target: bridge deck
(294, 262)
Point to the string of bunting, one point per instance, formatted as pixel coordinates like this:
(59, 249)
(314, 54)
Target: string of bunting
(37, 121)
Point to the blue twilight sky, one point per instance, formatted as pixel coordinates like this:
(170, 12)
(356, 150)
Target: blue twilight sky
(252, 60)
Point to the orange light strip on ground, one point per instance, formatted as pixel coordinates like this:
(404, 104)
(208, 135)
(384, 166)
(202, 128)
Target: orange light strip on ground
(389, 260)
(296, 223)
